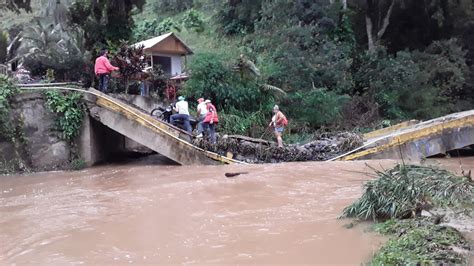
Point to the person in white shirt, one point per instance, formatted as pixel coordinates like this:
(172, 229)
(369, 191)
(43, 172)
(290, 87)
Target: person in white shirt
(182, 111)
(201, 114)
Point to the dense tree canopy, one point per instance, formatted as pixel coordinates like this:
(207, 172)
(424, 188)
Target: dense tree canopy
(16, 5)
(105, 20)
(341, 63)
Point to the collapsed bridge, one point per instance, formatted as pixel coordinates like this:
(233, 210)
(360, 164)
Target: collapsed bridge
(414, 141)
(410, 140)
(138, 126)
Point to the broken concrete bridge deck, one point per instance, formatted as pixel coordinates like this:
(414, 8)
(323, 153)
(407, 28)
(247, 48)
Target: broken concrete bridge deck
(415, 141)
(148, 131)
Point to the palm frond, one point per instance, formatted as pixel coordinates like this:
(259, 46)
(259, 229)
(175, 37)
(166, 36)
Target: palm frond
(273, 89)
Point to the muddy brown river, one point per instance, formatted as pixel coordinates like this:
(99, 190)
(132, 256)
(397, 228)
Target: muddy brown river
(139, 214)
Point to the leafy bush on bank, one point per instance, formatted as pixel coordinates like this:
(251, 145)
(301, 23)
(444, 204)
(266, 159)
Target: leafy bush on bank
(405, 190)
(7, 91)
(69, 111)
(419, 241)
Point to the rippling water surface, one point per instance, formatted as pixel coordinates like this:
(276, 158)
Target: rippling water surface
(285, 213)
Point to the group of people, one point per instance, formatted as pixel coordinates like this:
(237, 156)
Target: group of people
(208, 119)
(206, 114)
(206, 111)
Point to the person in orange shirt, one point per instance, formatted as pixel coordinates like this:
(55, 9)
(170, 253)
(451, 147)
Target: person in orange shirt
(279, 122)
(102, 69)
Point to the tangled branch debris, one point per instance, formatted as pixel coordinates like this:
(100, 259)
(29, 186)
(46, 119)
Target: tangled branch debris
(326, 146)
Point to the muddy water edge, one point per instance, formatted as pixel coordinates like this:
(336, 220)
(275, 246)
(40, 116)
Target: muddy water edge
(283, 213)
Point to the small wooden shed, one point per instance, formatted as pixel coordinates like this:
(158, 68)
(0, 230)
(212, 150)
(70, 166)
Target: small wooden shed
(168, 51)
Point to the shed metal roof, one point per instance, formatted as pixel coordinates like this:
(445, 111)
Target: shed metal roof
(150, 44)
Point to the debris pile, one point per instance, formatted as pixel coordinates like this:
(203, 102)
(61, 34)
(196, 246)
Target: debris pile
(250, 150)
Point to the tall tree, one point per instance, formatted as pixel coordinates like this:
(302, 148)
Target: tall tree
(58, 11)
(16, 5)
(3, 46)
(377, 19)
(104, 20)
(239, 16)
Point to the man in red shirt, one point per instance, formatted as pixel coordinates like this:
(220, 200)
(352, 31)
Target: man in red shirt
(102, 69)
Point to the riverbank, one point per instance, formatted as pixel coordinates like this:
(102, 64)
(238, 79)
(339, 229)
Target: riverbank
(425, 210)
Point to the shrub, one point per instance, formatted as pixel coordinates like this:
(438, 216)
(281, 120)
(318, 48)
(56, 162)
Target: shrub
(69, 111)
(193, 21)
(78, 164)
(173, 6)
(418, 241)
(212, 78)
(405, 190)
(318, 107)
(131, 61)
(167, 25)
(414, 84)
(242, 123)
(7, 91)
(145, 29)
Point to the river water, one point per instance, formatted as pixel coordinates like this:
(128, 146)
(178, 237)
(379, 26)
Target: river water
(285, 214)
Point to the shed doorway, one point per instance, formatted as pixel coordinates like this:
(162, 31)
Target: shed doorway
(164, 62)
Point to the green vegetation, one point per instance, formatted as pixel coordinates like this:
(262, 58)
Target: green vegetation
(45, 46)
(7, 91)
(347, 65)
(11, 128)
(16, 5)
(77, 164)
(405, 190)
(69, 111)
(104, 22)
(419, 241)
(318, 54)
(3, 46)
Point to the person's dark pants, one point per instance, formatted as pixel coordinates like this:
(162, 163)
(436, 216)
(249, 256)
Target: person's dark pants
(200, 126)
(184, 118)
(104, 82)
(211, 131)
(144, 88)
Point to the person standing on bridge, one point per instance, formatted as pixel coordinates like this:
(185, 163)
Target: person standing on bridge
(102, 69)
(211, 120)
(201, 114)
(182, 110)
